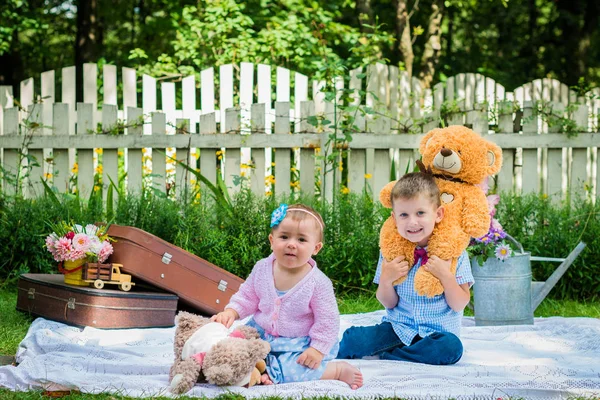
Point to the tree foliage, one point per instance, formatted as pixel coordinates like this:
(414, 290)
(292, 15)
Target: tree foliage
(512, 41)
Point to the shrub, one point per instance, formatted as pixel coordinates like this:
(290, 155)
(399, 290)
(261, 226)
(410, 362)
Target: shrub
(548, 229)
(236, 239)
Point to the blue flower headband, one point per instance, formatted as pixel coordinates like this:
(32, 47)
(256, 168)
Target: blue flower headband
(278, 215)
(280, 212)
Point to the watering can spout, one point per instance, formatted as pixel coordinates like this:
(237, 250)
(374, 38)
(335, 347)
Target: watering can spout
(539, 290)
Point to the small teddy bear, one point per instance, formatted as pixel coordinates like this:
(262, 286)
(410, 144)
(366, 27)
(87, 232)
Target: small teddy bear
(459, 159)
(208, 351)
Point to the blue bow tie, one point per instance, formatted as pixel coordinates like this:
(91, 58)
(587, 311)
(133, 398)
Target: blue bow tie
(421, 253)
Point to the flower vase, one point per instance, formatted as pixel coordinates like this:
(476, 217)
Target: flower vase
(502, 291)
(72, 272)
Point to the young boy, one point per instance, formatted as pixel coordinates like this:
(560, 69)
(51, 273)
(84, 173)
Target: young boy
(415, 328)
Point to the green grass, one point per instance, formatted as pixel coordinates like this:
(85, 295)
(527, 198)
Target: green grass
(14, 325)
(568, 308)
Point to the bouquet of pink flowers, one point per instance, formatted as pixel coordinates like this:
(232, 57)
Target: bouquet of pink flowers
(73, 242)
(493, 244)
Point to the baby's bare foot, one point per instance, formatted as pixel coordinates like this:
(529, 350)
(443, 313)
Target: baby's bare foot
(350, 374)
(265, 380)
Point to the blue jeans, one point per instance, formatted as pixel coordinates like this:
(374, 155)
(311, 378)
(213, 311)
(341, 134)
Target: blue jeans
(439, 348)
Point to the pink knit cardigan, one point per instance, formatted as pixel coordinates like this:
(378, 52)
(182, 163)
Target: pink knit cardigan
(307, 309)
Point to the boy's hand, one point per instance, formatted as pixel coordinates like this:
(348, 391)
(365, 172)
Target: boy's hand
(438, 267)
(311, 358)
(226, 317)
(393, 270)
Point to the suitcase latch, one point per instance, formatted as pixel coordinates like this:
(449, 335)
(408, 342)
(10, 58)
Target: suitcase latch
(222, 285)
(166, 258)
(71, 303)
(31, 293)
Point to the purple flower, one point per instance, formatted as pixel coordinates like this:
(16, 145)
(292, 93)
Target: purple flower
(493, 240)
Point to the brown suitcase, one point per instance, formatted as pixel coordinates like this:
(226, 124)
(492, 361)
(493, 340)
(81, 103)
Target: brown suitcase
(199, 284)
(47, 296)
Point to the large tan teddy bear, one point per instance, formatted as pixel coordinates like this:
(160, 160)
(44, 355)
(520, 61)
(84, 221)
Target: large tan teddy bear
(208, 351)
(459, 159)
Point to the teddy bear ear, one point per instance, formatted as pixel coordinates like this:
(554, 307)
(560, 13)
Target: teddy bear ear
(426, 138)
(494, 157)
(185, 320)
(259, 348)
(181, 317)
(385, 195)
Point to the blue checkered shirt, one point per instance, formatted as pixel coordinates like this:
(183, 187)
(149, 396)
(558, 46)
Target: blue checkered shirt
(420, 315)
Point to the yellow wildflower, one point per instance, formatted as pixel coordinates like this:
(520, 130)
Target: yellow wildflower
(345, 190)
(270, 179)
(98, 151)
(47, 175)
(99, 169)
(75, 168)
(368, 176)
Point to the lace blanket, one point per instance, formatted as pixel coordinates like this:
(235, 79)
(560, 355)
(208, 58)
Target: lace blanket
(554, 358)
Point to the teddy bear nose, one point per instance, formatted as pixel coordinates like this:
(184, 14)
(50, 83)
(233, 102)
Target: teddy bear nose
(446, 152)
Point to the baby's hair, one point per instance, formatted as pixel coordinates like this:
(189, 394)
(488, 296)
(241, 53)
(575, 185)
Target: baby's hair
(301, 212)
(415, 184)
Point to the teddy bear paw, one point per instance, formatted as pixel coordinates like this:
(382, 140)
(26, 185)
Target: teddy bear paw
(399, 281)
(427, 285)
(174, 387)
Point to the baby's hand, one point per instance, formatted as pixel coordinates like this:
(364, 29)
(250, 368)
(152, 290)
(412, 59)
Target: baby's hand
(438, 267)
(226, 317)
(311, 358)
(393, 270)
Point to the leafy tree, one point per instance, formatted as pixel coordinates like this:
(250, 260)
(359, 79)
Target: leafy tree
(296, 34)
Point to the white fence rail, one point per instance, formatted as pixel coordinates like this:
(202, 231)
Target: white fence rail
(264, 135)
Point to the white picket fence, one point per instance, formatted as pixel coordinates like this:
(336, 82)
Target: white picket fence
(234, 135)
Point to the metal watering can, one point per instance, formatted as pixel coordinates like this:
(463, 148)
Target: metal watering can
(504, 294)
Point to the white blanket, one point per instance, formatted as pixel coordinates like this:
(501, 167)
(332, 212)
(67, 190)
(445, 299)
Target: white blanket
(552, 359)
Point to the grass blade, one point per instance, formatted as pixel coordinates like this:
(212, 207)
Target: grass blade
(50, 193)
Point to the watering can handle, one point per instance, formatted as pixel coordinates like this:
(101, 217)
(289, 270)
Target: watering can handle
(512, 239)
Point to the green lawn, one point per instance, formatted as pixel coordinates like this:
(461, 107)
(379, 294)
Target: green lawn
(14, 325)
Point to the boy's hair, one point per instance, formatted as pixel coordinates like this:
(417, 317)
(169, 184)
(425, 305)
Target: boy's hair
(301, 212)
(415, 184)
